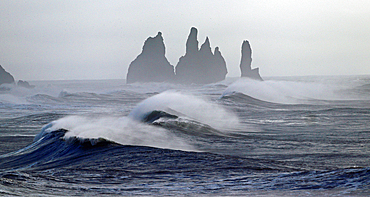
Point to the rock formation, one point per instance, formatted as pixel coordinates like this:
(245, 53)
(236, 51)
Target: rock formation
(246, 61)
(200, 66)
(24, 84)
(5, 77)
(220, 70)
(151, 65)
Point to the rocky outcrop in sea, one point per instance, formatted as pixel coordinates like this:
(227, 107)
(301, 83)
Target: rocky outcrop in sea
(151, 65)
(5, 77)
(246, 62)
(200, 66)
(197, 66)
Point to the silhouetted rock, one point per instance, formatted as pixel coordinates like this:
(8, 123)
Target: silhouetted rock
(5, 77)
(246, 61)
(151, 65)
(24, 84)
(220, 65)
(200, 66)
(192, 42)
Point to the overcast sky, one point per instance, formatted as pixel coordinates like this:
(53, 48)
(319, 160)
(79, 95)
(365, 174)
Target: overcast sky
(68, 39)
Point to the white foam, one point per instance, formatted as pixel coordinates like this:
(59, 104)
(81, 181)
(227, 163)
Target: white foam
(14, 94)
(124, 130)
(20, 95)
(196, 108)
(289, 92)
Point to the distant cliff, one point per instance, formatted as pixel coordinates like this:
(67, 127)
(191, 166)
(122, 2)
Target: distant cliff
(246, 61)
(200, 66)
(5, 77)
(151, 65)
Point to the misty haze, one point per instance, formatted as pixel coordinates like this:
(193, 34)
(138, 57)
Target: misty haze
(184, 98)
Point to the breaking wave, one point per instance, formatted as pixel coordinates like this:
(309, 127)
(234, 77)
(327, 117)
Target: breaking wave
(288, 92)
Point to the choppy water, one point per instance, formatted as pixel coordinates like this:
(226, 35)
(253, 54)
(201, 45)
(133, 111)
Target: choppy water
(297, 136)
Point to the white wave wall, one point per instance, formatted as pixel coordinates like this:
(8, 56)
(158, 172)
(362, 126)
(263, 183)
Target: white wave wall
(124, 130)
(286, 92)
(189, 106)
(129, 130)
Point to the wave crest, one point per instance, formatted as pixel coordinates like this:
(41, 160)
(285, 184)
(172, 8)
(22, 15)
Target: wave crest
(122, 130)
(285, 92)
(189, 106)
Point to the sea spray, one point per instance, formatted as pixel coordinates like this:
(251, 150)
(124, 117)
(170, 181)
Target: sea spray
(190, 106)
(287, 92)
(311, 149)
(123, 130)
(130, 130)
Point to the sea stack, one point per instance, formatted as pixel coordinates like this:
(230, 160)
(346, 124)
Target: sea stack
(5, 77)
(246, 62)
(200, 66)
(151, 65)
(24, 84)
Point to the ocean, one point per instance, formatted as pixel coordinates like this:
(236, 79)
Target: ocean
(285, 136)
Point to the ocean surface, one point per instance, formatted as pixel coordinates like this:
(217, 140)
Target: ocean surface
(285, 136)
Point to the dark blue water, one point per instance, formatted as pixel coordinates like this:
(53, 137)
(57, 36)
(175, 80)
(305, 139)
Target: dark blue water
(280, 137)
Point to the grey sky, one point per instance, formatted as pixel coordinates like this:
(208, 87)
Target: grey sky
(41, 40)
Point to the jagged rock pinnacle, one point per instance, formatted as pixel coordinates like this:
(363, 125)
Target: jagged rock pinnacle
(200, 66)
(246, 61)
(151, 65)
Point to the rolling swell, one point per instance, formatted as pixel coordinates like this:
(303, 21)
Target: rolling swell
(52, 165)
(53, 151)
(49, 151)
(238, 98)
(19, 137)
(287, 148)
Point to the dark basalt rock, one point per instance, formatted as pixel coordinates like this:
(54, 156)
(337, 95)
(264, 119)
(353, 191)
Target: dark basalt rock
(246, 61)
(5, 77)
(220, 70)
(200, 66)
(192, 42)
(151, 65)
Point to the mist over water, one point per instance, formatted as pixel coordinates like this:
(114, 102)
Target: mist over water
(289, 136)
(294, 92)
(130, 130)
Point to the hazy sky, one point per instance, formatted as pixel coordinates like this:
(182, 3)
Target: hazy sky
(68, 39)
